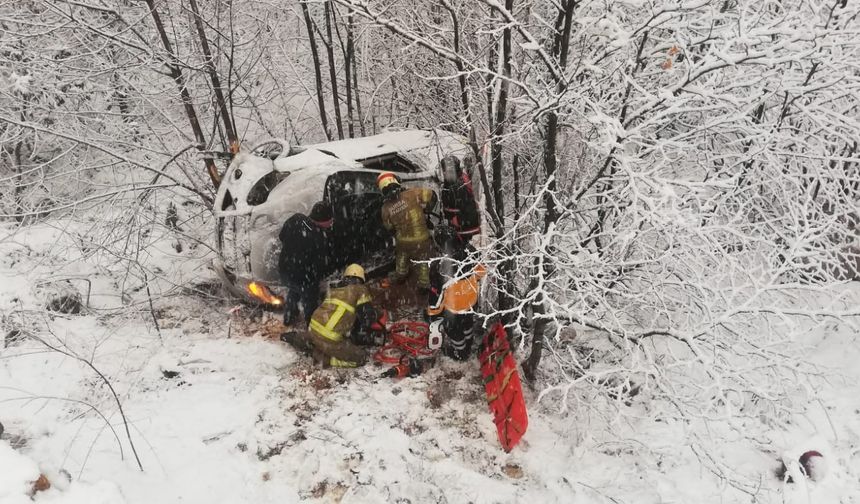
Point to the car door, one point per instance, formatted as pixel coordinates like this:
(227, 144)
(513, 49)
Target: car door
(357, 233)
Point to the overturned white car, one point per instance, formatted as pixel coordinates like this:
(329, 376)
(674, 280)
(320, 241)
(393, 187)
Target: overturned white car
(263, 188)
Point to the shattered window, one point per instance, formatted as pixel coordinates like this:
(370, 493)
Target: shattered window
(390, 162)
(343, 184)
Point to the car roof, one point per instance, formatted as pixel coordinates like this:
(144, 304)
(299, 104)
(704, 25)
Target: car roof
(310, 165)
(388, 142)
(422, 147)
(313, 160)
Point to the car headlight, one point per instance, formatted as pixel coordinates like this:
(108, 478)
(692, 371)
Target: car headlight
(261, 292)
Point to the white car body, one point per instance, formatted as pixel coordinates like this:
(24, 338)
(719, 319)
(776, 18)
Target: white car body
(262, 189)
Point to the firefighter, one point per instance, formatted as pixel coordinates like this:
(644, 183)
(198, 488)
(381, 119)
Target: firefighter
(458, 200)
(403, 212)
(304, 260)
(454, 287)
(343, 313)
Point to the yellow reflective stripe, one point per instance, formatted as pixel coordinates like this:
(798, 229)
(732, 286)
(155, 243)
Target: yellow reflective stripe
(364, 299)
(342, 304)
(413, 238)
(324, 331)
(335, 317)
(335, 362)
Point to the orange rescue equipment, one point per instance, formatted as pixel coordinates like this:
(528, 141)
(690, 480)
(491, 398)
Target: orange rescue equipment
(460, 296)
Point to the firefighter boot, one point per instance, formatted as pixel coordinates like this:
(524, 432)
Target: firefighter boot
(297, 341)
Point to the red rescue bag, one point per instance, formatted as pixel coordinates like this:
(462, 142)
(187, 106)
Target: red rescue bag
(503, 387)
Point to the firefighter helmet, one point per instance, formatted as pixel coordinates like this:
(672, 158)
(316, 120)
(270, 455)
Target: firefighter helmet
(354, 270)
(385, 179)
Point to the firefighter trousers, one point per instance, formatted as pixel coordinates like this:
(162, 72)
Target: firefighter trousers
(459, 335)
(407, 256)
(334, 353)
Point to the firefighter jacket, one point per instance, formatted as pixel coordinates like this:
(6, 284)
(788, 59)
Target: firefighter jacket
(405, 216)
(335, 316)
(460, 208)
(454, 285)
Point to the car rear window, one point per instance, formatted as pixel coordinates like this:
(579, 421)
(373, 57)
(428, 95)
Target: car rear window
(390, 162)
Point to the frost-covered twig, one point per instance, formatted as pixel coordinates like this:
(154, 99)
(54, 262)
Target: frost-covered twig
(32, 397)
(65, 350)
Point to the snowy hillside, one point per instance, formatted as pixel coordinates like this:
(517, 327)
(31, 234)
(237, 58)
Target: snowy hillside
(665, 198)
(218, 413)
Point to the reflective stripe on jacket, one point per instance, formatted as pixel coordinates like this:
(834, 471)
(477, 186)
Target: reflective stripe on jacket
(335, 316)
(405, 215)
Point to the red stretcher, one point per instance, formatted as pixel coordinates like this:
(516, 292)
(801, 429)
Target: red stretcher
(503, 387)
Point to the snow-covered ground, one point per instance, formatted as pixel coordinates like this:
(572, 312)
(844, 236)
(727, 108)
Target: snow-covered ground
(218, 413)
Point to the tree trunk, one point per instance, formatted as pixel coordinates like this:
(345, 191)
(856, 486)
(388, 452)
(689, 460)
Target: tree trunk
(347, 50)
(354, 62)
(332, 71)
(561, 45)
(515, 168)
(317, 75)
(347, 68)
(465, 99)
(501, 105)
(541, 323)
(173, 66)
(19, 181)
(229, 127)
(498, 104)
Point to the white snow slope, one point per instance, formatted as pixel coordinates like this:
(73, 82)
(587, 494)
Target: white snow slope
(248, 420)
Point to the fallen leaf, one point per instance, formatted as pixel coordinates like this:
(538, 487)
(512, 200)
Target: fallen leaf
(513, 471)
(41, 484)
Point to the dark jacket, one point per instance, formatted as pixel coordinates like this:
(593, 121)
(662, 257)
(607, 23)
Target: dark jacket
(304, 251)
(459, 206)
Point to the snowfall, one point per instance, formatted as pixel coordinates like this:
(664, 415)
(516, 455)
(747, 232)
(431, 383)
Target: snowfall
(217, 411)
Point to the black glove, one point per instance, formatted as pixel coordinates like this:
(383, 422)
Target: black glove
(365, 315)
(362, 337)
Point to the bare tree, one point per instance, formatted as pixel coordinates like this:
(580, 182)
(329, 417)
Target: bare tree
(677, 200)
(316, 64)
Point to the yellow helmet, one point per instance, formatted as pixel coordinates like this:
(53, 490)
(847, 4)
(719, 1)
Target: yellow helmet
(354, 270)
(385, 179)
